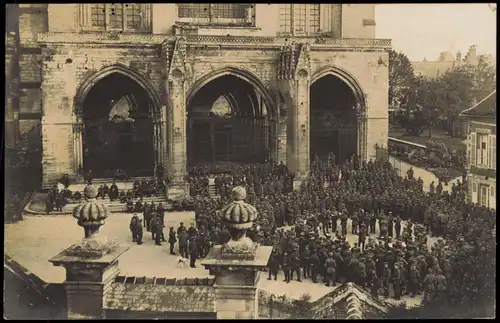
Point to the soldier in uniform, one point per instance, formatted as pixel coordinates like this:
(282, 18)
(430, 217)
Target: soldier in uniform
(355, 223)
(375, 283)
(429, 286)
(113, 191)
(130, 206)
(274, 264)
(286, 266)
(138, 205)
(157, 230)
(343, 222)
(414, 281)
(335, 218)
(396, 282)
(306, 264)
(330, 266)
(172, 240)
(362, 236)
(183, 242)
(315, 262)
(295, 264)
(390, 225)
(440, 283)
(136, 229)
(386, 278)
(373, 223)
(383, 228)
(193, 251)
(397, 226)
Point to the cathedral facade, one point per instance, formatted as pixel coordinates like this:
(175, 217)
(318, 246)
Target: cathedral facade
(133, 86)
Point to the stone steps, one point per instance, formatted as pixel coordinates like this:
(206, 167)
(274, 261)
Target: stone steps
(117, 206)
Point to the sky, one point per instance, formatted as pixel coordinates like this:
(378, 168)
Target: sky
(425, 30)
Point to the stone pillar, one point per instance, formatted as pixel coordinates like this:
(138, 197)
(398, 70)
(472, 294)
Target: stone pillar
(238, 263)
(236, 282)
(88, 277)
(77, 146)
(297, 101)
(302, 123)
(178, 187)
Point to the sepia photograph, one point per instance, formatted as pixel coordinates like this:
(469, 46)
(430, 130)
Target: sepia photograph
(250, 161)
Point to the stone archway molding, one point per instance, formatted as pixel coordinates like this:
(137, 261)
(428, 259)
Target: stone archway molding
(241, 73)
(347, 78)
(85, 87)
(360, 97)
(159, 121)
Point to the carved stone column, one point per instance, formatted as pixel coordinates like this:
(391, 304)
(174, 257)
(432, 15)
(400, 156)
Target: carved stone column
(302, 122)
(77, 146)
(177, 140)
(361, 132)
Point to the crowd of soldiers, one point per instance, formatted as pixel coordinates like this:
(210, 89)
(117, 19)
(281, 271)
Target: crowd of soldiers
(366, 194)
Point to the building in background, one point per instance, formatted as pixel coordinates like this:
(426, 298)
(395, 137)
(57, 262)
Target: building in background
(482, 151)
(447, 60)
(300, 80)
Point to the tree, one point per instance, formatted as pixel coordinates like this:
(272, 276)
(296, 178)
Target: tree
(429, 97)
(457, 90)
(401, 76)
(484, 78)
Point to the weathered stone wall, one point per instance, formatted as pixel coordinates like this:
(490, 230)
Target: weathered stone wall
(358, 20)
(61, 81)
(33, 19)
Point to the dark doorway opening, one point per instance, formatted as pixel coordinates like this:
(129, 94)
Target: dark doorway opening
(118, 129)
(227, 123)
(334, 127)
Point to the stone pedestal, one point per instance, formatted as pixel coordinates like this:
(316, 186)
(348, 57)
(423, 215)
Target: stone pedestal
(236, 280)
(178, 191)
(91, 267)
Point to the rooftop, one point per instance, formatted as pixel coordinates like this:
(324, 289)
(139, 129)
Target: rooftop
(487, 107)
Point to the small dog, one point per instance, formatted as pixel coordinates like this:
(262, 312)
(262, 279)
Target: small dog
(181, 262)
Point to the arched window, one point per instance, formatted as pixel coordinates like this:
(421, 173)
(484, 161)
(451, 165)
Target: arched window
(229, 13)
(300, 19)
(116, 17)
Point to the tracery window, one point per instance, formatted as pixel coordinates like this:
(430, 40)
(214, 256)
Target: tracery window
(116, 16)
(228, 13)
(300, 19)
(286, 18)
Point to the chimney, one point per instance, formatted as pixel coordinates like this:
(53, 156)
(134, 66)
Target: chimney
(459, 56)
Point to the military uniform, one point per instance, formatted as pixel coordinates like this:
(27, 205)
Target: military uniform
(172, 240)
(295, 265)
(331, 269)
(274, 264)
(286, 267)
(386, 279)
(396, 282)
(354, 224)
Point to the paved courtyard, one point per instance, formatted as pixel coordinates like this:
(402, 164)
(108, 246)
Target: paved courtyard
(35, 240)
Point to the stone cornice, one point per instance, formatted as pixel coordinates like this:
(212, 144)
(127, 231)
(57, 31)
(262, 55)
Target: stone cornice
(226, 42)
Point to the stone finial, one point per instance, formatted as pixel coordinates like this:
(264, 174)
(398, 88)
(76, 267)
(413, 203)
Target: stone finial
(91, 215)
(239, 216)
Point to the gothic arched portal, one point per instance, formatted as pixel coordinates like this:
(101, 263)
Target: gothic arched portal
(117, 113)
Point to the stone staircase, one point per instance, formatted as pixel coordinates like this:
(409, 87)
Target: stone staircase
(117, 206)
